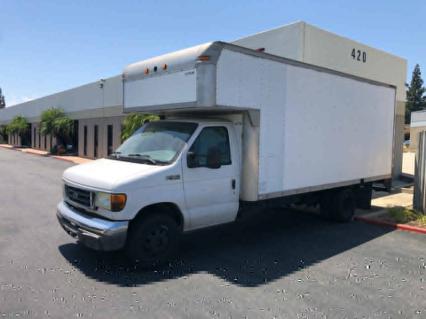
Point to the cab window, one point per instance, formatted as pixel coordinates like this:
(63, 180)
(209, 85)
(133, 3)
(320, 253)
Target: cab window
(211, 148)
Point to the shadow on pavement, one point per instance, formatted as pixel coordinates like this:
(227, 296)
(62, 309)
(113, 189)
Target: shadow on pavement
(250, 253)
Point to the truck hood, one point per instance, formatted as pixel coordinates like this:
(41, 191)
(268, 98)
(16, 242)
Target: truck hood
(105, 174)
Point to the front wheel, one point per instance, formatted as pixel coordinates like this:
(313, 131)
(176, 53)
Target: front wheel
(153, 240)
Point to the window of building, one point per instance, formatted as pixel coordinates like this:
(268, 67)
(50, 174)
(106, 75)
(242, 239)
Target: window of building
(45, 142)
(34, 137)
(109, 139)
(85, 141)
(212, 139)
(95, 138)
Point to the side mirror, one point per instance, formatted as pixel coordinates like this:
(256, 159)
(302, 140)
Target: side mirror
(191, 160)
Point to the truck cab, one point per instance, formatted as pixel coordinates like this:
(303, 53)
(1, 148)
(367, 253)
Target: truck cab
(187, 171)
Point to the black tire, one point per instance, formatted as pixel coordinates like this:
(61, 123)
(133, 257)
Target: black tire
(344, 206)
(153, 240)
(338, 205)
(327, 205)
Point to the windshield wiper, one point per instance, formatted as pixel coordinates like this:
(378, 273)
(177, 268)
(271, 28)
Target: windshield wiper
(143, 156)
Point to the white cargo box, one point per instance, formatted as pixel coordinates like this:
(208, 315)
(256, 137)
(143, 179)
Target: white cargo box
(306, 128)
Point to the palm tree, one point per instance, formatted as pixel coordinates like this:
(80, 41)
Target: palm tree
(18, 126)
(54, 122)
(134, 121)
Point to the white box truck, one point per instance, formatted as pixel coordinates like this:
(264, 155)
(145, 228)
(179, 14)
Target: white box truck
(239, 129)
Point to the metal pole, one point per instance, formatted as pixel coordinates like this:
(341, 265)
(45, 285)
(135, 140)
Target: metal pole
(419, 198)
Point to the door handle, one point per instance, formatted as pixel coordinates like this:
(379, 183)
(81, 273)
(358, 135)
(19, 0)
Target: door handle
(233, 183)
(173, 177)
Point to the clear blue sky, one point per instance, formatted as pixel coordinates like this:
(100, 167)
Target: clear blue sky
(49, 46)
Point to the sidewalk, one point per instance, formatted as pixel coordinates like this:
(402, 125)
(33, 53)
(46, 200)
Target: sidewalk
(6, 146)
(408, 163)
(400, 199)
(32, 151)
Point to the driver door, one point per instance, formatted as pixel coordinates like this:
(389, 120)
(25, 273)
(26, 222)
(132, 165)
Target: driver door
(211, 178)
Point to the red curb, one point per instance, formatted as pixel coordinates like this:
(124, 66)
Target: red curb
(393, 225)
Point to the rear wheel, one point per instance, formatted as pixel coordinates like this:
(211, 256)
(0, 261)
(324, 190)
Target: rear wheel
(326, 204)
(153, 240)
(338, 205)
(344, 206)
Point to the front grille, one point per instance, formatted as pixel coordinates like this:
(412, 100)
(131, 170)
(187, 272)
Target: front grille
(78, 195)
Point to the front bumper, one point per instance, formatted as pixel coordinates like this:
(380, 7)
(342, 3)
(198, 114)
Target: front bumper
(95, 233)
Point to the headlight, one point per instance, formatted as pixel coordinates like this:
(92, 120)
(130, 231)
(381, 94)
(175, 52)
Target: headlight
(112, 202)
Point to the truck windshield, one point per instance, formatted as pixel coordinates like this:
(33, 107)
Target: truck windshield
(155, 143)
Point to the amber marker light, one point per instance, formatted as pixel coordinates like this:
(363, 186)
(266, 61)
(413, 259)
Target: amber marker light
(118, 201)
(203, 58)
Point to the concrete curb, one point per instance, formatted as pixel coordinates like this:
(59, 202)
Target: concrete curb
(24, 150)
(69, 160)
(33, 153)
(12, 148)
(392, 225)
(62, 159)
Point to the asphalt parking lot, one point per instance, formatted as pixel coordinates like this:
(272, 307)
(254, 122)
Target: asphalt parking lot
(280, 264)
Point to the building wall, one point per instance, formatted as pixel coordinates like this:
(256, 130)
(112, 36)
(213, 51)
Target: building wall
(14, 139)
(97, 102)
(39, 141)
(102, 124)
(309, 44)
(92, 97)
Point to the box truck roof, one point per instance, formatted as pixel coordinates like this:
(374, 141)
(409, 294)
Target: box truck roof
(187, 79)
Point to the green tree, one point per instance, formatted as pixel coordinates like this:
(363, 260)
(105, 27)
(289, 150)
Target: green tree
(134, 121)
(2, 100)
(54, 122)
(18, 125)
(416, 100)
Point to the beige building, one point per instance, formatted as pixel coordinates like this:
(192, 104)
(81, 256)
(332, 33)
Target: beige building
(309, 44)
(97, 107)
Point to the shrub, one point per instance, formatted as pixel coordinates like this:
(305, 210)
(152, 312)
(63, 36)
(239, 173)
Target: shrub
(405, 215)
(402, 214)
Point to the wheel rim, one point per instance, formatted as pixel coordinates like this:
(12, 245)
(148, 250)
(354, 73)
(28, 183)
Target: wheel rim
(156, 241)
